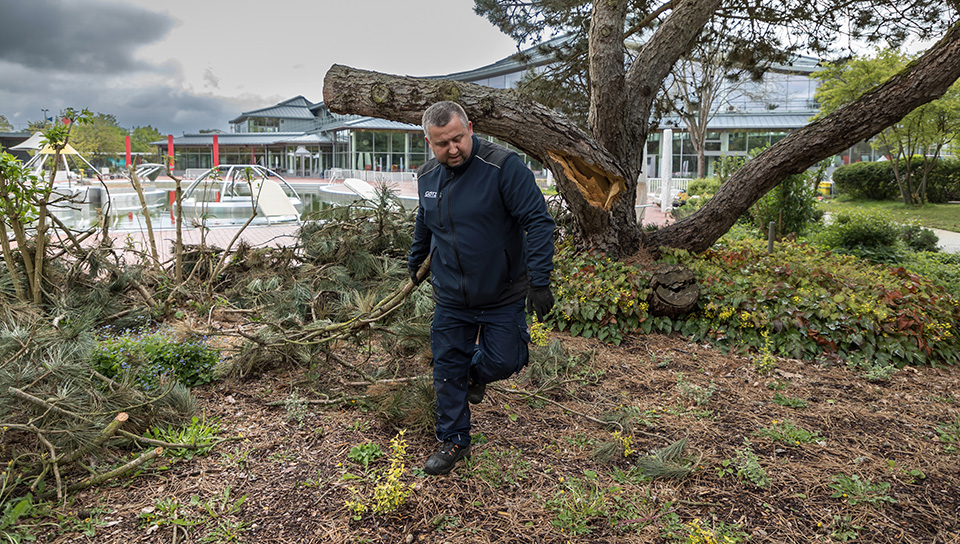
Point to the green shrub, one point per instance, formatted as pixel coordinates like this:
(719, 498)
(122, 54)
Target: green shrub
(705, 187)
(870, 235)
(918, 238)
(943, 183)
(791, 206)
(869, 180)
(940, 268)
(152, 357)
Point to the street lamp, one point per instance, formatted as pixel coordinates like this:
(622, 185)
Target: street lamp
(44, 120)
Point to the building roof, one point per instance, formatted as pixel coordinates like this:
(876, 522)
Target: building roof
(297, 107)
(248, 138)
(372, 123)
(750, 121)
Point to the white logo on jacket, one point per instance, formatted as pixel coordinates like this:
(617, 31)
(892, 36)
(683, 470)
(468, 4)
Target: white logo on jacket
(430, 194)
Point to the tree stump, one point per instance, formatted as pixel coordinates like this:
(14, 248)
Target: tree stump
(675, 290)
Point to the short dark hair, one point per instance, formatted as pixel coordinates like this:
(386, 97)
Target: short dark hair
(441, 113)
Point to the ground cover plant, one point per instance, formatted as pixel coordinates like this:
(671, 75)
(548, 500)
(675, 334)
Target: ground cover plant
(795, 302)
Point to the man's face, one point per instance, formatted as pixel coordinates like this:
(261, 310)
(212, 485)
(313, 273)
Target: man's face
(451, 143)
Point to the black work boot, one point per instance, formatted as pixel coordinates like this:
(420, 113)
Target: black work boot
(442, 462)
(475, 392)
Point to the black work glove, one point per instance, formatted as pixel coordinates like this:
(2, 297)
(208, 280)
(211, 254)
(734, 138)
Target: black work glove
(413, 277)
(540, 301)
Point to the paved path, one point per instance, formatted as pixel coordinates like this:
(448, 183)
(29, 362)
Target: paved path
(255, 236)
(949, 240)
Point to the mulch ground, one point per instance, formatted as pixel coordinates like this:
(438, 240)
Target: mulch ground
(293, 472)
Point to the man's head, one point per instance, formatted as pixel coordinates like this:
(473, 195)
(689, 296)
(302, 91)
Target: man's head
(448, 132)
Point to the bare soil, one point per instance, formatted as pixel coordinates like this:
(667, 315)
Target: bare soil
(292, 472)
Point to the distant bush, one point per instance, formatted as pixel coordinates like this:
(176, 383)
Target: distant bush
(868, 180)
(874, 236)
(791, 206)
(918, 238)
(943, 183)
(704, 187)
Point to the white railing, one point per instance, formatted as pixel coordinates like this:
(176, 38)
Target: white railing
(654, 185)
(369, 175)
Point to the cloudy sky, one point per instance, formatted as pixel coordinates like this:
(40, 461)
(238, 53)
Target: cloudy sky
(186, 65)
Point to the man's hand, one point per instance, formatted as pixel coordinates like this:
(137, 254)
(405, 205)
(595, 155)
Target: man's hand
(413, 277)
(539, 301)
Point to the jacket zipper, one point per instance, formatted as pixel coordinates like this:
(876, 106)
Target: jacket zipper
(453, 233)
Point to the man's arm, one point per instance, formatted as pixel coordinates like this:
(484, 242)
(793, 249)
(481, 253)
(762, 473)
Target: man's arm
(420, 247)
(525, 202)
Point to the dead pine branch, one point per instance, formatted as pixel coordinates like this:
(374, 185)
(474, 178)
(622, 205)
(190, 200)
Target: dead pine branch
(119, 471)
(105, 434)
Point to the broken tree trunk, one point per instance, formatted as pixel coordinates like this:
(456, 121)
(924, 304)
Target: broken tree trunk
(675, 290)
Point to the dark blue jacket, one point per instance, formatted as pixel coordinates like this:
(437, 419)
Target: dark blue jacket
(486, 226)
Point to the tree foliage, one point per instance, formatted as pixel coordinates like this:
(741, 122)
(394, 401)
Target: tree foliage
(101, 137)
(914, 143)
(5, 125)
(141, 137)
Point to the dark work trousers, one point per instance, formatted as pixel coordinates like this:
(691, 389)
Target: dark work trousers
(459, 355)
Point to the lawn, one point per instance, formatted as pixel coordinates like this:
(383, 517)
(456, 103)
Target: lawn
(935, 216)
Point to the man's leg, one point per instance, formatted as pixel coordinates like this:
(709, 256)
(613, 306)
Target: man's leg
(502, 349)
(452, 340)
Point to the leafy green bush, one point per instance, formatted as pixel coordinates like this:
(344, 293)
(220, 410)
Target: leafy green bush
(873, 236)
(152, 357)
(940, 268)
(918, 238)
(705, 187)
(869, 180)
(797, 302)
(943, 182)
(791, 206)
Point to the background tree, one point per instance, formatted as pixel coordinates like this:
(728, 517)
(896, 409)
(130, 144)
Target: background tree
(99, 138)
(596, 171)
(915, 142)
(141, 137)
(701, 82)
(5, 125)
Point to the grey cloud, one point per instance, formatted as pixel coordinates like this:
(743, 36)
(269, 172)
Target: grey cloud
(170, 109)
(93, 36)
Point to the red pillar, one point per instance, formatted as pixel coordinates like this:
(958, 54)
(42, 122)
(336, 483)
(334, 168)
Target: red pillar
(170, 150)
(127, 143)
(216, 151)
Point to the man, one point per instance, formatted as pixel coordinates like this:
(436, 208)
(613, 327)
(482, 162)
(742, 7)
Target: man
(484, 222)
